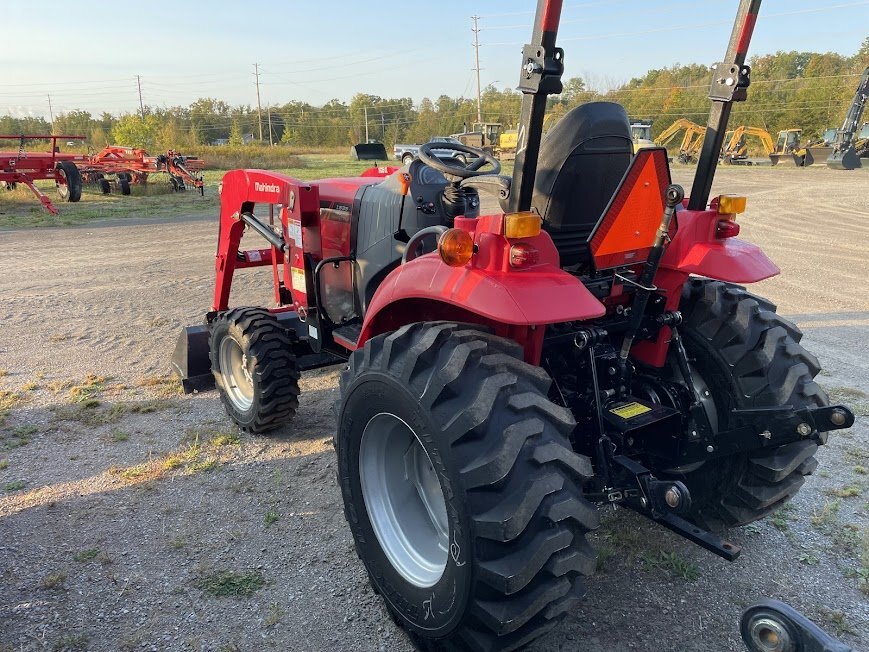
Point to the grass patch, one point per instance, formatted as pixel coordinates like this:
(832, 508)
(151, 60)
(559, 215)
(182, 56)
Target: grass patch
(53, 581)
(671, 563)
(848, 491)
(30, 386)
(178, 543)
(4, 373)
(15, 485)
(164, 386)
(825, 516)
(93, 413)
(808, 559)
(193, 457)
(86, 555)
(88, 389)
(274, 615)
(4, 464)
(8, 401)
(226, 439)
(271, 517)
(117, 436)
(17, 437)
(780, 518)
(226, 584)
(72, 643)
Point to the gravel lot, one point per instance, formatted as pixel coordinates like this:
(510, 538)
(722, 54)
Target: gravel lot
(127, 510)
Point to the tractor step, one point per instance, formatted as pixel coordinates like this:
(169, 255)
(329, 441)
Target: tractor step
(348, 335)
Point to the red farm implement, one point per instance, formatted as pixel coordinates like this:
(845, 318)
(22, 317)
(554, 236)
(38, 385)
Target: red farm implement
(505, 374)
(26, 167)
(127, 165)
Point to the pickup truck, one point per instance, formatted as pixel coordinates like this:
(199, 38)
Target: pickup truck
(406, 153)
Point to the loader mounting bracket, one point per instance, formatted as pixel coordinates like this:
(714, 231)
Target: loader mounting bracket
(730, 82)
(541, 70)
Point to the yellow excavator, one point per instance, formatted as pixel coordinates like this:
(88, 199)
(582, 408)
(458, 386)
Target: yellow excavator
(735, 149)
(691, 143)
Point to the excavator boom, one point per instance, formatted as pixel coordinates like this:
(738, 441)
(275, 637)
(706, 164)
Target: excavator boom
(845, 156)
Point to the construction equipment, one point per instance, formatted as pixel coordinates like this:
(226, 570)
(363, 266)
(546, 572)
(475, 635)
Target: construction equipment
(691, 143)
(370, 151)
(26, 167)
(482, 135)
(641, 134)
(507, 142)
(846, 152)
(787, 150)
(735, 150)
(588, 344)
(819, 149)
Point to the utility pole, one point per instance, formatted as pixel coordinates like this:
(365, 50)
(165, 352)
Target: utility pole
(50, 112)
(269, 115)
(259, 108)
(141, 105)
(366, 123)
(382, 127)
(476, 30)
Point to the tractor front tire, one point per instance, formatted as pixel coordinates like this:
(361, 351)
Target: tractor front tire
(461, 488)
(254, 368)
(69, 181)
(750, 358)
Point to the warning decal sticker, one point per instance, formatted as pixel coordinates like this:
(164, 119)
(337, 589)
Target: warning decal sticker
(630, 410)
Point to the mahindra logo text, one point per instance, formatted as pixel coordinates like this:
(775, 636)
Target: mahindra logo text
(266, 187)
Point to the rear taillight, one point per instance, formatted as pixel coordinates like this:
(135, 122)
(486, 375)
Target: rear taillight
(726, 229)
(523, 254)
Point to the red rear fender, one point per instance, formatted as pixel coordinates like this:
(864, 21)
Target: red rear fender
(426, 289)
(696, 250)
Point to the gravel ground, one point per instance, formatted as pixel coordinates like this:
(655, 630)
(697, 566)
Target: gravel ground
(136, 518)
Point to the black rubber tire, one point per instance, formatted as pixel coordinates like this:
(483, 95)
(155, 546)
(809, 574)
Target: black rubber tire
(104, 185)
(10, 185)
(513, 485)
(174, 184)
(124, 184)
(407, 159)
(70, 190)
(750, 357)
(272, 366)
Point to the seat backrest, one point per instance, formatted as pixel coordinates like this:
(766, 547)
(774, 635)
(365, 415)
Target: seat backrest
(582, 160)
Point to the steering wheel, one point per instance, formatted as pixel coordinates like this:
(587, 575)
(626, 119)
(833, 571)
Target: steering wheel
(472, 169)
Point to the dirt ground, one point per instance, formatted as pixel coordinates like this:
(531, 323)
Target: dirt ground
(135, 518)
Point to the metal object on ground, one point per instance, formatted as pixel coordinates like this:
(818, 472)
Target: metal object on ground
(773, 626)
(26, 167)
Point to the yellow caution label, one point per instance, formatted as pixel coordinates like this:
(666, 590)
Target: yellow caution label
(298, 278)
(630, 410)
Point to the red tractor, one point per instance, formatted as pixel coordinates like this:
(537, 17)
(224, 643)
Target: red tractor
(505, 374)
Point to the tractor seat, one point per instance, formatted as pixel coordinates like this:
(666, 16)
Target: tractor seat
(582, 160)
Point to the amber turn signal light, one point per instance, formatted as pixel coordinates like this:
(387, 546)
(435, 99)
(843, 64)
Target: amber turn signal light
(731, 205)
(526, 224)
(456, 247)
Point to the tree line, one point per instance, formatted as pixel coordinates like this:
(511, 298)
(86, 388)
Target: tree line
(806, 90)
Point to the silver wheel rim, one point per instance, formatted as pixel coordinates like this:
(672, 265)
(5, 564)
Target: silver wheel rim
(235, 373)
(404, 500)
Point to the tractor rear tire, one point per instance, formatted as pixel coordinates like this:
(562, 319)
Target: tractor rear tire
(124, 184)
(750, 358)
(461, 488)
(70, 188)
(254, 368)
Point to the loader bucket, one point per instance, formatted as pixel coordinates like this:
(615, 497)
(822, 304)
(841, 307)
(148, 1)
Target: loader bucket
(817, 155)
(369, 152)
(787, 160)
(191, 361)
(847, 160)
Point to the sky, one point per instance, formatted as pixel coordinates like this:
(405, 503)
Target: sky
(317, 51)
